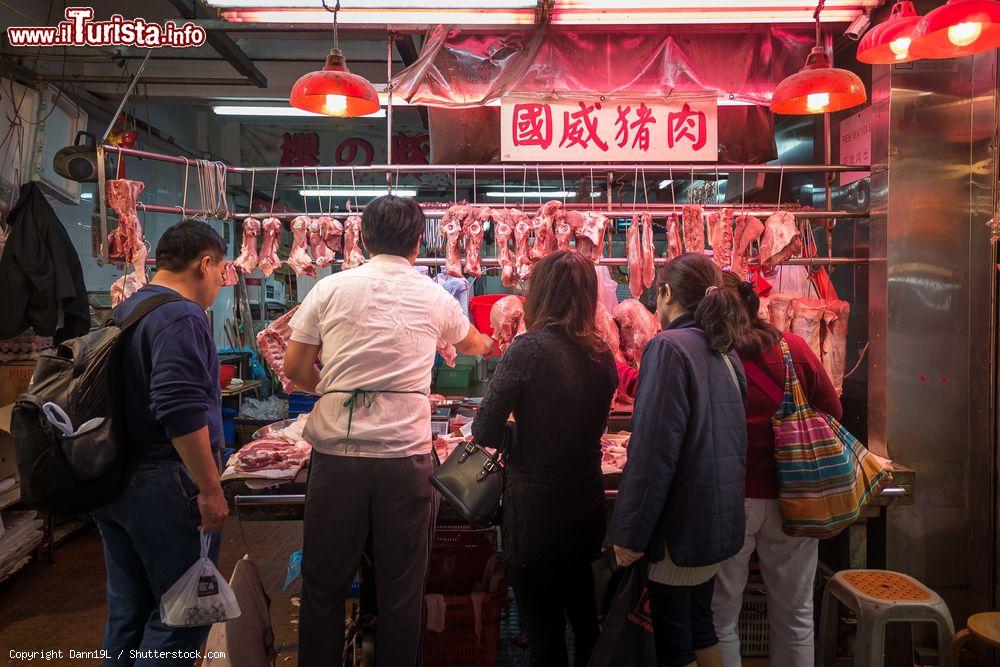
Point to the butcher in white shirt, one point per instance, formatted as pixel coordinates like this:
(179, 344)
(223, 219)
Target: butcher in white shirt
(375, 329)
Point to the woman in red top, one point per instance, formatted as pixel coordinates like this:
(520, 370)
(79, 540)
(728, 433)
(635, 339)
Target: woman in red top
(788, 564)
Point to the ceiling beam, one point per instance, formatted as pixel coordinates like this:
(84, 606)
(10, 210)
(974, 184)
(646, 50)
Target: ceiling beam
(224, 45)
(408, 53)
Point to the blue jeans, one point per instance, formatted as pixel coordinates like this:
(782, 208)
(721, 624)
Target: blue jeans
(150, 537)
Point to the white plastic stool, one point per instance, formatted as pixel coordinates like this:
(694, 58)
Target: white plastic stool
(880, 597)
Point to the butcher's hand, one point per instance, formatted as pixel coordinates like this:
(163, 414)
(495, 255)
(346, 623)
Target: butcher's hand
(214, 510)
(626, 557)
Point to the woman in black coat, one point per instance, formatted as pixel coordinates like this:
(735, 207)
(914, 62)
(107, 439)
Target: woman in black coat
(558, 380)
(680, 502)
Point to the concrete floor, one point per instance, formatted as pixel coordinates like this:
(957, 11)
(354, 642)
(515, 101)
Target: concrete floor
(61, 606)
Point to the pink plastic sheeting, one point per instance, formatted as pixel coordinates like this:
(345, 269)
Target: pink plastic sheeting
(461, 68)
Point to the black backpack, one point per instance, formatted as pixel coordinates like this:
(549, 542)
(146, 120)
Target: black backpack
(69, 475)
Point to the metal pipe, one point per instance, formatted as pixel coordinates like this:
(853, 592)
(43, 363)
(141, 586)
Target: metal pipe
(578, 168)
(661, 211)
(125, 97)
(268, 501)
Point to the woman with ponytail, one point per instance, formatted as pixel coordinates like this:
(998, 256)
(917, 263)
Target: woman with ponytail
(680, 503)
(788, 564)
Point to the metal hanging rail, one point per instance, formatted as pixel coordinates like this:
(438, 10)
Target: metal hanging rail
(530, 169)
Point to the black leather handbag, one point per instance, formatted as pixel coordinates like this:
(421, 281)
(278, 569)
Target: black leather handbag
(471, 480)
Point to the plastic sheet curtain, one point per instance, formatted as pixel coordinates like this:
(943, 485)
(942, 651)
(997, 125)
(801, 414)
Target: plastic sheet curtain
(462, 68)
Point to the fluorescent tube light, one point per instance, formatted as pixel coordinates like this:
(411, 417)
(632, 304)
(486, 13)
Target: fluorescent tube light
(277, 111)
(664, 183)
(349, 192)
(379, 4)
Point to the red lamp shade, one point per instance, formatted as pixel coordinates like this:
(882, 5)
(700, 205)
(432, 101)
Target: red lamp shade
(818, 88)
(958, 28)
(889, 42)
(334, 91)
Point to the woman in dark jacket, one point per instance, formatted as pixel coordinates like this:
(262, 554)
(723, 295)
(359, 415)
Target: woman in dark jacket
(558, 380)
(680, 503)
(788, 564)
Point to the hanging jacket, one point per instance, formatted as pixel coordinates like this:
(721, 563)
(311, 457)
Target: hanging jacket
(41, 279)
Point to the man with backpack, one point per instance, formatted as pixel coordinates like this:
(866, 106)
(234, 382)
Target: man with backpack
(173, 429)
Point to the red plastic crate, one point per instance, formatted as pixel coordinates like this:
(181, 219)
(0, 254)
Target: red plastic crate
(458, 560)
(457, 645)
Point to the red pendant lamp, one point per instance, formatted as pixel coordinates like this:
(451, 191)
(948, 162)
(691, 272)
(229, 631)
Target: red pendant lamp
(333, 90)
(818, 87)
(889, 42)
(958, 28)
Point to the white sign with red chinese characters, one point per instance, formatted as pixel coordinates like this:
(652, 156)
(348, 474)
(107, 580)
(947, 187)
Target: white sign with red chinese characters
(856, 144)
(609, 131)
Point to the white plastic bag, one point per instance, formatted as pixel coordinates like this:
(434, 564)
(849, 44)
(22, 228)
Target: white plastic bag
(201, 596)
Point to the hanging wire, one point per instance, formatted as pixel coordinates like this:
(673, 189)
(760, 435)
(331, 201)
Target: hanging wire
(253, 174)
(185, 197)
(334, 11)
(274, 191)
(454, 186)
(354, 188)
(305, 199)
(524, 187)
(562, 175)
(819, 9)
(781, 184)
(329, 205)
(503, 176)
(590, 193)
(474, 193)
(673, 194)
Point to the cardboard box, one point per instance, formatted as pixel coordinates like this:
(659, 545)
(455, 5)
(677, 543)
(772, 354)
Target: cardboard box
(14, 380)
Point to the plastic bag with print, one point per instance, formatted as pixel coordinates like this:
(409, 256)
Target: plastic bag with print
(201, 596)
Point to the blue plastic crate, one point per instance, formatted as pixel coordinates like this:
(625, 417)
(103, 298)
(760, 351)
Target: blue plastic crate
(300, 403)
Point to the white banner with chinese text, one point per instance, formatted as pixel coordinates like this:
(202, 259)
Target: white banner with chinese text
(610, 131)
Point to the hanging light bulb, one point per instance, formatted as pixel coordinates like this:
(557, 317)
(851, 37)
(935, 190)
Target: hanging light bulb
(334, 90)
(889, 42)
(818, 87)
(958, 28)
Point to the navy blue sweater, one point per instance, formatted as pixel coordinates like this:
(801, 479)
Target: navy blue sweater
(171, 374)
(683, 484)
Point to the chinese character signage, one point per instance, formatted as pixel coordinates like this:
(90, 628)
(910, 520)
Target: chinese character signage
(609, 131)
(856, 144)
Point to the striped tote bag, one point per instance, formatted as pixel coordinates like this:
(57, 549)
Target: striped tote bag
(825, 475)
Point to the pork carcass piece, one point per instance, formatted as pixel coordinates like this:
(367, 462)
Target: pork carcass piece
(648, 251)
(272, 454)
(748, 230)
(127, 242)
(674, 246)
(352, 242)
(835, 341)
(776, 243)
(507, 320)
(503, 225)
(325, 238)
(764, 310)
(451, 229)
(567, 226)
(633, 248)
(807, 322)
(447, 352)
(636, 325)
(229, 277)
(720, 227)
(693, 228)
(522, 247)
(608, 330)
(472, 233)
(543, 225)
(125, 287)
(247, 261)
(779, 307)
(590, 236)
(272, 343)
(268, 261)
(298, 257)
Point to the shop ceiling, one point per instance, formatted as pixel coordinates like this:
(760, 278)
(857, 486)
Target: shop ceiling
(256, 49)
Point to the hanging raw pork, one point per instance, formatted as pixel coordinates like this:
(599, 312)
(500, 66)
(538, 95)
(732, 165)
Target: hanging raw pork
(807, 322)
(590, 235)
(229, 277)
(777, 243)
(636, 325)
(452, 224)
(472, 232)
(353, 256)
(126, 242)
(693, 228)
(503, 224)
(640, 251)
(272, 343)
(507, 320)
(325, 236)
(268, 261)
(835, 319)
(674, 246)
(748, 230)
(780, 311)
(522, 241)
(543, 225)
(247, 261)
(298, 257)
(720, 231)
